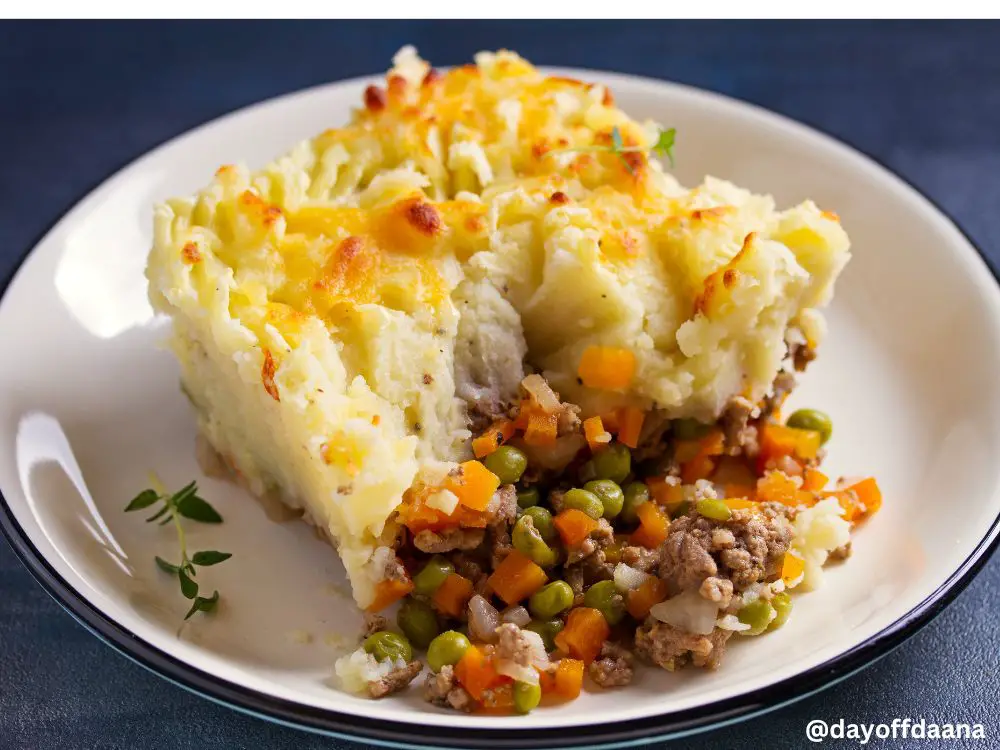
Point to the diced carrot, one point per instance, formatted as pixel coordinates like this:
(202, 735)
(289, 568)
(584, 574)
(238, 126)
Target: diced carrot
(792, 566)
(388, 592)
(542, 428)
(574, 526)
(417, 516)
(597, 436)
(641, 600)
(474, 485)
(859, 500)
(685, 450)
(568, 679)
(630, 425)
(653, 526)
(670, 496)
(475, 672)
(453, 595)
(611, 420)
(740, 490)
(739, 503)
(780, 440)
(546, 681)
(517, 578)
(699, 467)
(606, 367)
(697, 457)
(814, 480)
(777, 487)
(499, 696)
(869, 495)
(713, 444)
(584, 634)
(498, 434)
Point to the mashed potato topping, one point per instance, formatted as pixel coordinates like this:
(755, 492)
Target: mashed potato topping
(340, 313)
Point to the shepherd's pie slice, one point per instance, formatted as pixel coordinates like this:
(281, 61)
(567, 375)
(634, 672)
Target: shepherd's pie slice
(345, 314)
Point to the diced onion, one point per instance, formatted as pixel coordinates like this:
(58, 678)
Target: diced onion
(628, 578)
(539, 656)
(516, 615)
(443, 500)
(688, 612)
(541, 393)
(483, 620)
(517, 671)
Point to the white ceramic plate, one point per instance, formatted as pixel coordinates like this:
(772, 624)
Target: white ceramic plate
(89, 404)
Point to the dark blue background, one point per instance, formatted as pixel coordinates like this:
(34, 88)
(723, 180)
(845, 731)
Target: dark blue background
(78, 101)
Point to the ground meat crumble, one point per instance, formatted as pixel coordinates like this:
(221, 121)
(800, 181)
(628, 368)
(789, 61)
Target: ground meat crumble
(720, 561)
(442, 689)
(613, 667)
(396, 680)
(745, 549)
(670, 648)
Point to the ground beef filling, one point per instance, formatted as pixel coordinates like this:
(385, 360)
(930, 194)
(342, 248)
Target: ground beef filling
(396, 680)
(723, 556)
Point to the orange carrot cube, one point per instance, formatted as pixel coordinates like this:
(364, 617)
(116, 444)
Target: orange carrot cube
(517, 578)
(606, 367)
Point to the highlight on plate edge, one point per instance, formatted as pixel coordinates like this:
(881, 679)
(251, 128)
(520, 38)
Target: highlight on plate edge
(528, 385)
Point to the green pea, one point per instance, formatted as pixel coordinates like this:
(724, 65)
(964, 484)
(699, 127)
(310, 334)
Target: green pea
(812, 419)
(529, 542)
(528, 498)
(584, 500)
(418, 622)
(548, 630)
(430, 578)
(507, 462)
(526, 696)
(542, 518)
(636, 493)
(756, 614)
(614, 463)
(588, 472)
(603, 596)
(610, 495)
(782, 604)
(689, 429)
(447, 648)
(551, 599)
(388, 645)
(717, 510)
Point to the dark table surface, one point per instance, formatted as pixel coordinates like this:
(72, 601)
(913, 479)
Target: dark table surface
(78, 101)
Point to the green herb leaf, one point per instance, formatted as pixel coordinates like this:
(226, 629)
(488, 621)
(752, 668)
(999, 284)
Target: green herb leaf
(183, 493)
(158, 513)
(188, 587)
(616, 139)
(187, 504)
(166, 566)
(209, 557)
(203, 604)
(665, 144)
(197, 509)
(143, 500)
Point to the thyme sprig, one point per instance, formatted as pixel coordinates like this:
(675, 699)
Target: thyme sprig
(664, 146)
(188, 504)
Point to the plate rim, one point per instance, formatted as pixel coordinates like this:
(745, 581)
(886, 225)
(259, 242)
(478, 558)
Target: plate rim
(407, 734)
